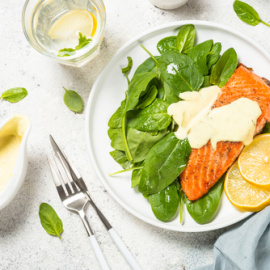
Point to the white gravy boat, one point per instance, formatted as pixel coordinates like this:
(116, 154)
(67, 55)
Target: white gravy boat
(16, 125)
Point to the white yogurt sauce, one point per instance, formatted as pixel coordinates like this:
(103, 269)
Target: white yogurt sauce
(235, 122)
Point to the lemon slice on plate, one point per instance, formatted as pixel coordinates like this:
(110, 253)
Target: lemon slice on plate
(254, 161)
(73, 22)
(242, 194)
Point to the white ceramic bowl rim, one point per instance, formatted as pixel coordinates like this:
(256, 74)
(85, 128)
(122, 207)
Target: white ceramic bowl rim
(15, 182)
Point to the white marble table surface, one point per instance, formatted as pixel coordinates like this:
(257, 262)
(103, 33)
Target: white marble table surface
(23, 242)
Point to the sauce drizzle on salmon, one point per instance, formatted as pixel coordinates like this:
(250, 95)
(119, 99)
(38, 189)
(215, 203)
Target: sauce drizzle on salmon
(206, 165)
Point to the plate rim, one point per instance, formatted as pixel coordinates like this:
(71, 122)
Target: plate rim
(93, 93)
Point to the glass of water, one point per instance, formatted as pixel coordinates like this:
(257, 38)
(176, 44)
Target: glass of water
(68, 31)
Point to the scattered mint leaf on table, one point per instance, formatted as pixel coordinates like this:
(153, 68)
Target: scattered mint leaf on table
(14, 95)
(73, 101)
(247, 13)
(50, 221)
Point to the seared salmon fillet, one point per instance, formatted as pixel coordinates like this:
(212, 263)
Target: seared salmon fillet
(206, 165)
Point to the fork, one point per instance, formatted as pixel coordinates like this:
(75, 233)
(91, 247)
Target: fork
(74, 200)
(75, 176)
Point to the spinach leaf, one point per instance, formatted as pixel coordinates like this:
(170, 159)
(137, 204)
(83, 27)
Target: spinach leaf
(204, 209)
(153, 117)
(49, 220)
(141, 142)
(185, 38)
(164, 163)
(115, 120)
(136, 176)
(206, 82)
(266, 128)
(14, 95)
(224, 68)
(73, 101)
(247, 13)
(148, 98)
(213, 56)
(149, 65)
(165, 203)
(136, 87)
(117, 142)
(199, 53)
(129, 66)
(180, 72)
(171, 96)
(167, 44)
(120, 158)
(181, 203)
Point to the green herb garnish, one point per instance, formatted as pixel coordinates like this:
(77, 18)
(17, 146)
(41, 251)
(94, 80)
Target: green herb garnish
(83, 41)
(14, 95)
(73, 101)
(247, 13)
(49, 220)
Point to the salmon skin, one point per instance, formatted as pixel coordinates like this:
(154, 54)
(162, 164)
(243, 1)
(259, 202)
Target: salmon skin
(206, 165)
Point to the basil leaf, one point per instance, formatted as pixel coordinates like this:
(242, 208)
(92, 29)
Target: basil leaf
(167, 44)
(199, 53)
(224, 68)
(153, 117)
(180, 72)
(120, 158)
(163, 164)
(49, 220)
(204, 209)
(266, 128)
(246, 13)
(213, 56)
(127, 69)
(165, 203)
(14, 95)
(66, 52)
(83, 41)
(73, 101)
(185, 38)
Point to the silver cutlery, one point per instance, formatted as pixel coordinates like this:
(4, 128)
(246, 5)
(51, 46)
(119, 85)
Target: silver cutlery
(78, 184)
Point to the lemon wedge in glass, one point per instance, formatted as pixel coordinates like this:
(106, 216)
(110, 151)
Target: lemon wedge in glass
(254, 161)
(242, 194)
(72, 23)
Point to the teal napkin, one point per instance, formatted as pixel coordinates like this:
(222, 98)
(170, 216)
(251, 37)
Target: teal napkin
(246, 246)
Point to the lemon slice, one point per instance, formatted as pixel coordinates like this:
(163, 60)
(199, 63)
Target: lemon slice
(254, 161)
(73, 22)
(244, 195)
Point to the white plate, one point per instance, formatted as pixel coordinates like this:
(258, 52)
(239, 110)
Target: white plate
(107, 93)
